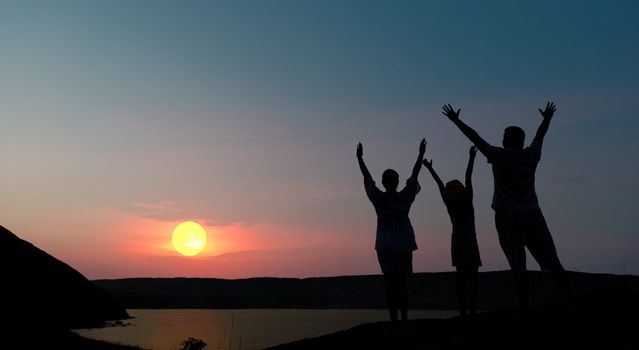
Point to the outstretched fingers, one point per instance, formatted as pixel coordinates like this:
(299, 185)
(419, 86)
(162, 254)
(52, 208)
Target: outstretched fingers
(549, 110)
(449, 111)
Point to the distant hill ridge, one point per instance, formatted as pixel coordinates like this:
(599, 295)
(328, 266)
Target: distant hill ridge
(427, 291)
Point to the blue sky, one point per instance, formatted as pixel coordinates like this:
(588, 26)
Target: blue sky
(244, 115)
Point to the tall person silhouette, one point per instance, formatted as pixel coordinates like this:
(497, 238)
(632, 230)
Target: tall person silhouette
(463, 246)
(395, 238)
(518, 217)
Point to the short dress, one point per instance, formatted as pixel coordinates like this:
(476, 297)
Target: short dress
(464, 249)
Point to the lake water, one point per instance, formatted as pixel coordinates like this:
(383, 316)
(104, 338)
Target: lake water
(248, 329)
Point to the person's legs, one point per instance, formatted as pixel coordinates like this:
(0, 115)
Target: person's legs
(386, 264)
(511, 240)
(542, 247)
(391, 295)
(397, 267)
(472, 290)
(406, 270)
(560, 278)
(402, 297)
(461, 291)
(520, 275)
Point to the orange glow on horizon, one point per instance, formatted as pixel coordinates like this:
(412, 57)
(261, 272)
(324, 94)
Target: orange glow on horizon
(125, 245)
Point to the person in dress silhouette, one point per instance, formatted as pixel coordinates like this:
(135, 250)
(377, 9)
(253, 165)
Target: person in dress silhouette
(518, 217)
(395, 238)
(464, 250)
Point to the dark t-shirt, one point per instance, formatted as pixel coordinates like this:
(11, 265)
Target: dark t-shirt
(394, 231)
(514, 176)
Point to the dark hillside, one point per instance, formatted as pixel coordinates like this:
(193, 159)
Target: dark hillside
(39, 290)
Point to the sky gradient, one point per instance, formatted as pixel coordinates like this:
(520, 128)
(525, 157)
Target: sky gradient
(123, 118)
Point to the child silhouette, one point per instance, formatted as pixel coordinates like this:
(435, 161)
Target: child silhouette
(395, 238)
(464, 250)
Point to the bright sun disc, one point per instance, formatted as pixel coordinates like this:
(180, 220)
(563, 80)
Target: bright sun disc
(189, 238)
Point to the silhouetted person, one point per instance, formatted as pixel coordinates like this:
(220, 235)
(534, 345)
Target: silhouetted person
(463, 248)
(518, 218)
(395, 238)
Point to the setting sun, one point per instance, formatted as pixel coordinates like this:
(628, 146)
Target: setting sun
(189, 238)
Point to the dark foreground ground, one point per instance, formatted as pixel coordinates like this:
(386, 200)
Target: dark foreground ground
(53, 339)
(605, 320)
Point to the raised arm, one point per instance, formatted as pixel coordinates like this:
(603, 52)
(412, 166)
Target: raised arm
(471, 134)
(360, 161)
(547, 114)
(440, 184)
(469, 169)
(420, 157)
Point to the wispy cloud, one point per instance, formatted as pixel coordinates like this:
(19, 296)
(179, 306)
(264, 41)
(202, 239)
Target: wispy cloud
(163, 211)
(168, 211)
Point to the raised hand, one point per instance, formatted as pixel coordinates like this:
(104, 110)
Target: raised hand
(362, 165)
(549, 111)
(429, 165)
(448, 111)
(472, 151)
(469, 170)
(422, 146)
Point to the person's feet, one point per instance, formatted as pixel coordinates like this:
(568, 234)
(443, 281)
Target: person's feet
(406, 326)
(393, 328)
(524, 313)
(391, 333)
